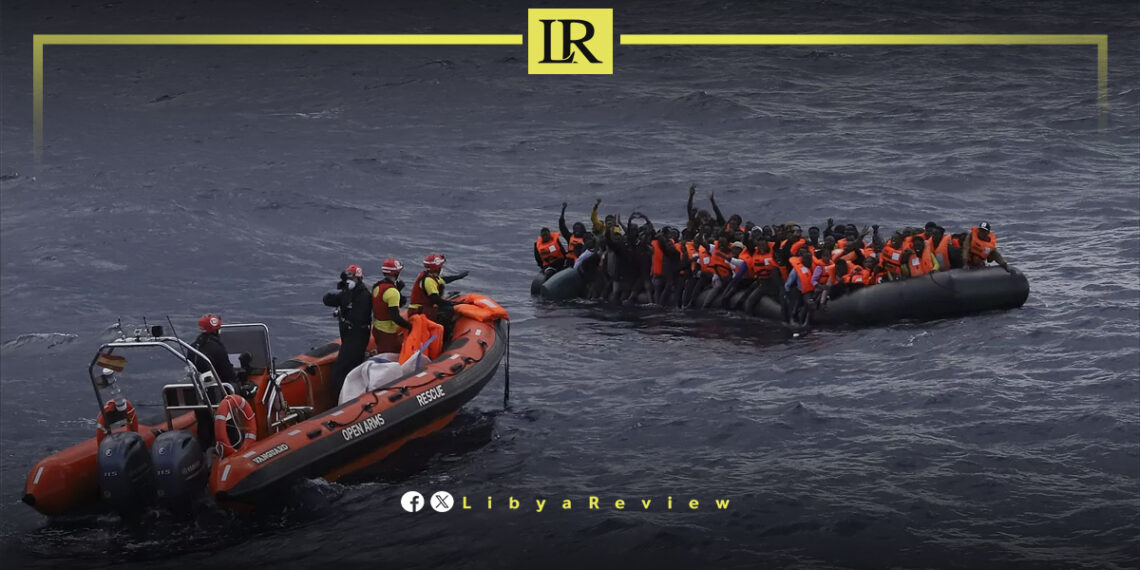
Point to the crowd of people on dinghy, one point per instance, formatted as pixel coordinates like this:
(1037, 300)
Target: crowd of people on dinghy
(620, 261)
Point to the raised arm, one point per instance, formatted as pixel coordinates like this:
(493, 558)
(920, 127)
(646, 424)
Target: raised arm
(562, 222)
(720, 221)
(599, 226)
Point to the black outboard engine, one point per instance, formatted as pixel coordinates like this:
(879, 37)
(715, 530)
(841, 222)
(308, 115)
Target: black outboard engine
(180, 470)
(126, 473)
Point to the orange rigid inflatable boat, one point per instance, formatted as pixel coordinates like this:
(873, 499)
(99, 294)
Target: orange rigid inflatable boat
(281, 424)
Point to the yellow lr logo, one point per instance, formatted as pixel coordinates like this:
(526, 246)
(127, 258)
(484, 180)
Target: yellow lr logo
(570, 41)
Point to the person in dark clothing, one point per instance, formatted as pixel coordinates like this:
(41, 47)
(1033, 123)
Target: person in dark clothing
(353, 304)
(209, 343)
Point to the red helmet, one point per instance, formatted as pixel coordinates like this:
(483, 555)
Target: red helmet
(391, 267)
(210, 323)
(354, 271)
(433, 261)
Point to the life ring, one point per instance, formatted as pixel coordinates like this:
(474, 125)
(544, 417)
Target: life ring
(244, 420)
(101, 429)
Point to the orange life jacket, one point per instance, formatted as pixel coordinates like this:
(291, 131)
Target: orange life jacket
(722, 263)
(705, 260)
(891, 260)
(942, 253)
(825, 277)
(980, 249)
(746, 257)
(762, 264)
(420, 302)
(423, 329)
(571, 253)
(920, 264)
(857, 276)
(804, 273)
(658, 267)
(550, 251)
(796, 245)
(692, 256)
(380, 311)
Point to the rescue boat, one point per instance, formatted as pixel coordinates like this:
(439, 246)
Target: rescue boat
(281, 423)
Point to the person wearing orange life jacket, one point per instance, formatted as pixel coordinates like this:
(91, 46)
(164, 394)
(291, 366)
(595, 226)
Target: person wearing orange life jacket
(663, 265)
(575, 243)
(800, 287)
(386, 301)
(549, 253)
(980, 247)
(918, 259)
(840, 279)
(826, 276)
(940, 248)
(890, 259)
(764, 270)
(427, 291)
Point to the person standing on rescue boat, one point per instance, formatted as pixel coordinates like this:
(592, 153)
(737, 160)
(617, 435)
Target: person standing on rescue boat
(354, 314)
(386, 301)
(209, 343)
(427, 291)
(980, 247)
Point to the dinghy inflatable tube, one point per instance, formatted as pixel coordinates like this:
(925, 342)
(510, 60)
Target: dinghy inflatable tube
(938, 295)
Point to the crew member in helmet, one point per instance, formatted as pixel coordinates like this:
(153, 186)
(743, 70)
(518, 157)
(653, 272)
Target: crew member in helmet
(354, 313)
(427, 291)
(386, 301)
(209, 343)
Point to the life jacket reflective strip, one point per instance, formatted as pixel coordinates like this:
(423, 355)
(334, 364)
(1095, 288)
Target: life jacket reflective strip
(804, 273)
(658, 266)
(550, 251)
(379, 307)
(980, 249)
(942, 253)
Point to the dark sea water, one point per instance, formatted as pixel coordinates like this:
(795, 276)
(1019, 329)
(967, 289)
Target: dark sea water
(183, 180)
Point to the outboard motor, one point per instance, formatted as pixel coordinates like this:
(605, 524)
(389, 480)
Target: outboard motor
(180, 469)
(126, 472)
